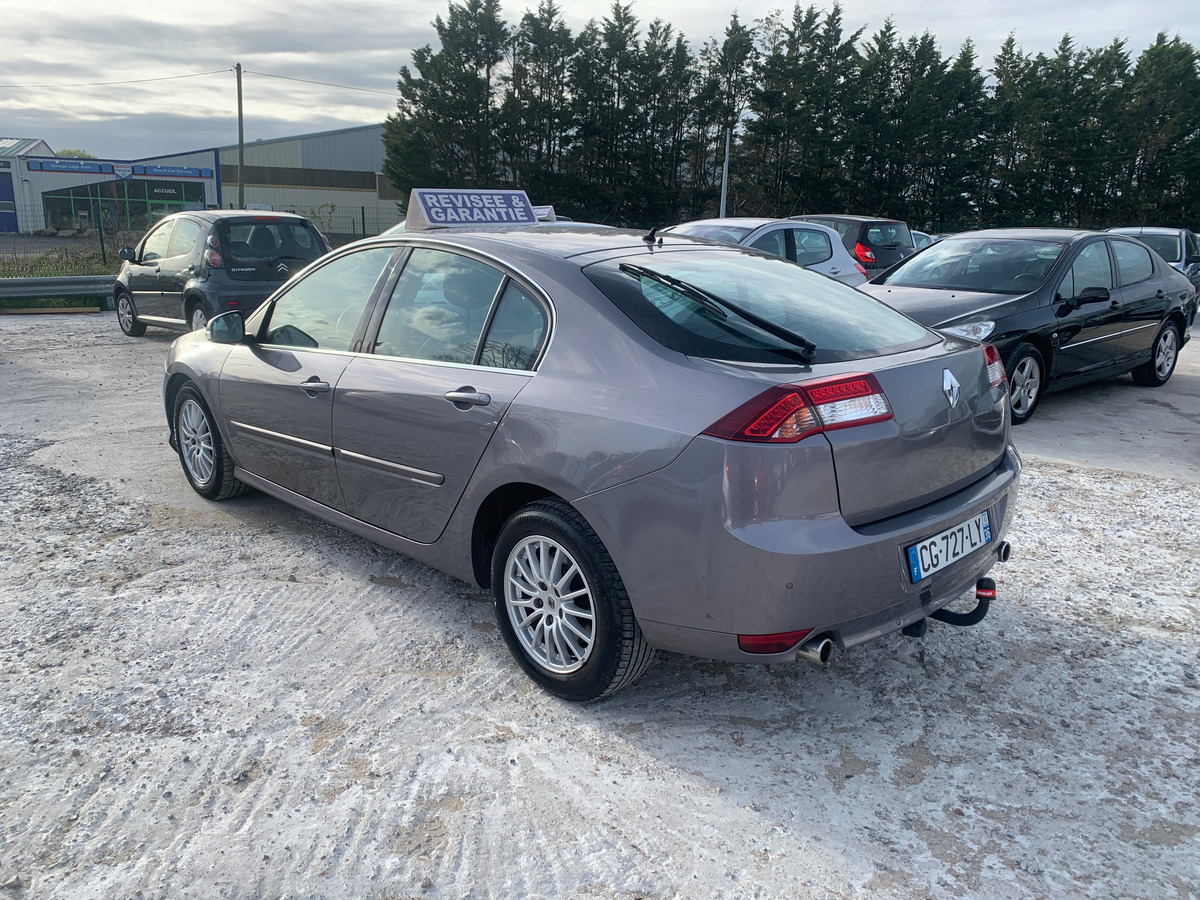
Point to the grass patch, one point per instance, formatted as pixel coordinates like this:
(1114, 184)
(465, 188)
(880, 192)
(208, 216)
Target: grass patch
(59, 262)
(53, 303)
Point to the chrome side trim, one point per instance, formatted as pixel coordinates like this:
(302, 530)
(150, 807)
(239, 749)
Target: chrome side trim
(409, 472)
(285, 440)
(153, 320)
(1109, 337)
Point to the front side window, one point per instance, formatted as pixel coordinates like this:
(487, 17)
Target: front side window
(843, 323)
(157, 243)
(1092, 268)
(772, 242)
(1133, 262)
(439, 307)
(322, 310)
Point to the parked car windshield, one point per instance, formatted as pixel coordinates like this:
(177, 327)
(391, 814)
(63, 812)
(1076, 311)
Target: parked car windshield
(732, 234)
(1007, 266)
(843, 323)
(1168, 246)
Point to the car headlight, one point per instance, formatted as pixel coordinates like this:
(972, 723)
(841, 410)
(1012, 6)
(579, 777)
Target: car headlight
(972, 331)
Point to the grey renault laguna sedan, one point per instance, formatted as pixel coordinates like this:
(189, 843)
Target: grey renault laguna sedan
(634, 442)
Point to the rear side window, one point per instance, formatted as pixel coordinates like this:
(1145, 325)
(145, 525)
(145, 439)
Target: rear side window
(439, 307)
(843, 323)
(812, 247)
(184, 239)
(517, 332)
(1133, 262)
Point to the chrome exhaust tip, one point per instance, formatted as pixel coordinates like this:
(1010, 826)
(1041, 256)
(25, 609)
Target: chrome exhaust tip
(1003, 551)
(818, 651)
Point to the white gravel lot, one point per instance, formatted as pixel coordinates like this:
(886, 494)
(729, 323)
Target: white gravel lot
(238, 700)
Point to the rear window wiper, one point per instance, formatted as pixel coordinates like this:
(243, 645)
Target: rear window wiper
(805, 349)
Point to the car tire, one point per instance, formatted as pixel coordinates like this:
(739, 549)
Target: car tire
(562, 607)
(1163, 357)
(197, 318)
(206, 463)
(127, 316)
(1026, 380)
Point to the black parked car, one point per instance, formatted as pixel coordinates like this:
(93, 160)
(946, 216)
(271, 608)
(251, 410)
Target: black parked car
(876, 243)
(1062, 306)
(192, 266)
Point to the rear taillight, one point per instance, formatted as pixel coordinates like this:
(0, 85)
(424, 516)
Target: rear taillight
(864, 253)
(213, 259)
(788, 413)
(861, 270)
(995, 366)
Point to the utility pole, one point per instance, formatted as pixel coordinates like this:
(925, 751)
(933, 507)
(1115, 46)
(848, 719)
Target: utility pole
(725, 173)
(242, 144)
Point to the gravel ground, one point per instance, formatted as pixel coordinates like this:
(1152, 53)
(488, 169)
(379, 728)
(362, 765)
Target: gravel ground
(238, 700)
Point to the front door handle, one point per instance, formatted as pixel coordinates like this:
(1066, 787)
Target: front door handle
(1161, 293)
(466, 397)
(314, 386)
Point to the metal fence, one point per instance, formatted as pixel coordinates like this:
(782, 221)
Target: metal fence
(89, 243)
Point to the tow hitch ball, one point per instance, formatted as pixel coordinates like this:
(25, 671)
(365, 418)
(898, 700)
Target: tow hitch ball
(985, 593)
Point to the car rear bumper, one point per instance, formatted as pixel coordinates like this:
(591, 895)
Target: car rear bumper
(698, 575)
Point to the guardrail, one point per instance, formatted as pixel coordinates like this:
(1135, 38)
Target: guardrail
(66, 286)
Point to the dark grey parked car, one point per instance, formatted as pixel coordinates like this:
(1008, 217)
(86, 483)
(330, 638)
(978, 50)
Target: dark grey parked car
(1062, 307)
(635, 443)
(192, 266)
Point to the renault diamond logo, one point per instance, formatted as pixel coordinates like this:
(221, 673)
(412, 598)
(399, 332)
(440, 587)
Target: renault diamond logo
(950, 387)
(283, 268)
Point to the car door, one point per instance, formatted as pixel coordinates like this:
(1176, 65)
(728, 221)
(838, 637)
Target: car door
(144, 272)
(813, 249)
(1142, 297)
(178, 266)
(1088, 330)
(412, 419)
(277, 390)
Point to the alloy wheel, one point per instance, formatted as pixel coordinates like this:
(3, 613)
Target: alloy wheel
(125, 313)
(1165, 353)
(550, 604)
(1026, 382)
(196, 441)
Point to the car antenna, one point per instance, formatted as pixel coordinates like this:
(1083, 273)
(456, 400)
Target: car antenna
(649, 239)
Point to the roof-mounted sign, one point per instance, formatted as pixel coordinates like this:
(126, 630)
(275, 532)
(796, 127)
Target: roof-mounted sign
(433, 208)
(545, 213)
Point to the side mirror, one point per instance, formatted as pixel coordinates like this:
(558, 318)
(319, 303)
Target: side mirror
(227, 328)
(128, 254)
(1092, 295)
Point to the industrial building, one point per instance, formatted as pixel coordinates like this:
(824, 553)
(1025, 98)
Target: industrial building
(334, 177)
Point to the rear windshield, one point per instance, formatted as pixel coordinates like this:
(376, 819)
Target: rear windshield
(887, 234)
(731, 234)
(843, 323)
(265, 249)
(994, 267)
(1168, 246)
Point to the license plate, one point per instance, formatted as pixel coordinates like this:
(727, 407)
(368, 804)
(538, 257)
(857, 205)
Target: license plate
(948, 546)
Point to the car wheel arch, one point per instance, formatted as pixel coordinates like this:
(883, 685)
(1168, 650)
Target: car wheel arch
(1041, 344)
(491, 515)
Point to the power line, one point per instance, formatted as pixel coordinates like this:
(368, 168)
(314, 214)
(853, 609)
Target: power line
(323, 83)
(112, 83)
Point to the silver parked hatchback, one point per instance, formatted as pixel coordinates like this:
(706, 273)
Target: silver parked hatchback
(635, 443)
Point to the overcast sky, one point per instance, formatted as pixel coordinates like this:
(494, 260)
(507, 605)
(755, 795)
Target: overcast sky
(363, 43)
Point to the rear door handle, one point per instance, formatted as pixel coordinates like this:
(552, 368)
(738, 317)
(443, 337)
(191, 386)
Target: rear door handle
(466, 397)
(314, 386)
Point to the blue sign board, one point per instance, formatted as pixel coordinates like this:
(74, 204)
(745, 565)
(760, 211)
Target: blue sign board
(429, 207)
(91, 165)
